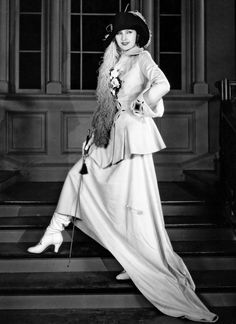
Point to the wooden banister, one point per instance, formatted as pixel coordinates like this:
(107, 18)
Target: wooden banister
(227, 143)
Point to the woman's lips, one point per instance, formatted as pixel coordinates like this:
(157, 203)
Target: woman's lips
(124, 43)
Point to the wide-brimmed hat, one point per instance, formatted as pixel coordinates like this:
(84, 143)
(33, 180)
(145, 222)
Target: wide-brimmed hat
(129, 20)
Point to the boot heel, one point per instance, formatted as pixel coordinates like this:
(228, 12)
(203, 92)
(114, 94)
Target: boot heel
(57, 247)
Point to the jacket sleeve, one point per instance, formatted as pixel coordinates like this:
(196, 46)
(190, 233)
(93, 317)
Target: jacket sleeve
(149, 103)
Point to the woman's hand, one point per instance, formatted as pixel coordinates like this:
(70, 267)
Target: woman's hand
(137, 108)
(88, 142)
(141, 108)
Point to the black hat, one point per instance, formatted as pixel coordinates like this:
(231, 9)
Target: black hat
(129, 20)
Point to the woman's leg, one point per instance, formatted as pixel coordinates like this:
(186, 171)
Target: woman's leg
(52, 235)
(62, 216)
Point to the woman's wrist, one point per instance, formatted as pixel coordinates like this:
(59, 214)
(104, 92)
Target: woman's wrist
(141, 108)
(139, 105)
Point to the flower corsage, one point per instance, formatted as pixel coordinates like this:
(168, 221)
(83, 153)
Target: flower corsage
(115, 81)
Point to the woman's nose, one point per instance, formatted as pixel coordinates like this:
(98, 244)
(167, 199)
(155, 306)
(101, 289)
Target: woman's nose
(123, 36)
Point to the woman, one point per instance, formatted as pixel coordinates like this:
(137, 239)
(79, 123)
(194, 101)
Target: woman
(116, 200)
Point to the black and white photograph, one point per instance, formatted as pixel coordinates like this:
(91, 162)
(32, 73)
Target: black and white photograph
(117, 161)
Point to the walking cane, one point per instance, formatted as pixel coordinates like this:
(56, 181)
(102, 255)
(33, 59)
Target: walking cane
(82, 171)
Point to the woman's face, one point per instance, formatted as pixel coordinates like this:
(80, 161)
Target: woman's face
(126, 39)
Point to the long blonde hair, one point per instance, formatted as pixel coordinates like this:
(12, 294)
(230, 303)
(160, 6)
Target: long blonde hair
(104, 115)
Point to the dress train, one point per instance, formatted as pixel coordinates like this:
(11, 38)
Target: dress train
(119, 206)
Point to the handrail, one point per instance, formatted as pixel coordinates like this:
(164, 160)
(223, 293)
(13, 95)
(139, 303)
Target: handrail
(229, 122)
(225, 87)
(227, 153)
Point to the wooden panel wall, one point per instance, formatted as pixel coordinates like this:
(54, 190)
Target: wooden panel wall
(26, 132)
(178, 129)
(74, 126)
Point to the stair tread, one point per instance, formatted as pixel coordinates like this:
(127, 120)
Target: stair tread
(8, 178)
(7, 174)
(149, 315)
(227, 315)
(83, 249)
(32, 192)
(207, 176)
(92, 249)
(100, 282)
(48, 193)
(170, 221)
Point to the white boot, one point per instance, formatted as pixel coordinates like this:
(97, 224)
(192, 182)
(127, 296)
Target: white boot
(123, 276)
(52, 235)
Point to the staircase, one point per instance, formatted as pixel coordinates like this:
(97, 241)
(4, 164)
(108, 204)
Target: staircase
(8, 178)
(43, 289)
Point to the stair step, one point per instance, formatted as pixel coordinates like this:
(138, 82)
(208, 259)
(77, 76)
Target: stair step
(170, 208)
(77, 264)
(40, 198)
(227, 315)
(173, 208)
(80, 249)
(204, 181)
(100, 282)
(37, 222)
(7, 174)
(28, 281)
(99, 289)
(175, 234)
(208, 177)
(32, 192)
(28, 229)
(8, 178)
(101, 301)
(48, 192)
(17, 209)
(93, 249)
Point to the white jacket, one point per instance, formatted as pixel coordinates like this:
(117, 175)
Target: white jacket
(135, 132)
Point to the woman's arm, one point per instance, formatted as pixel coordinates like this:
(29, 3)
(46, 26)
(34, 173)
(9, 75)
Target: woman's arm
(159, 83)
(150, 101)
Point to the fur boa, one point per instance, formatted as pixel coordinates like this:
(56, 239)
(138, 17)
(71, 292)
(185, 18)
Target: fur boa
(104, 115)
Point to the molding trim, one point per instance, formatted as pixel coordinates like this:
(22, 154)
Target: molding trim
(190, 129)
(18, 124)
(54, 87)
(172, 172)
(4, 45)
(90, 96)
(79, 131)
(4, 86)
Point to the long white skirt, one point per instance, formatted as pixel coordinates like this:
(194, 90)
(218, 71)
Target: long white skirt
(120, 207)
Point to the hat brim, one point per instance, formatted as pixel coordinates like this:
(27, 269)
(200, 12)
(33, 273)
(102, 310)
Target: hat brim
(136, 23)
